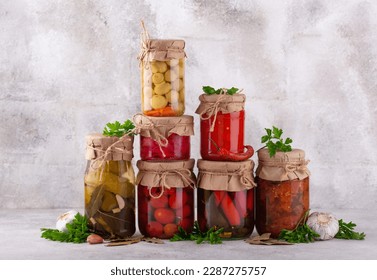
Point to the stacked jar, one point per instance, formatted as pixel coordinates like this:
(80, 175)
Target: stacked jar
(110, 185)
(225, 182)
(282, 195)
(165, 180)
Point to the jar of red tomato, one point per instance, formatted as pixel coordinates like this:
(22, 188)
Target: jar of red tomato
(282, 195)
(165, 197)
(164, 138)
(226, 197)
(222, 122)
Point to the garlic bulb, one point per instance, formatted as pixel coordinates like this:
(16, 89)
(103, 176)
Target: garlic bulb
(325, 224)
(65, 219)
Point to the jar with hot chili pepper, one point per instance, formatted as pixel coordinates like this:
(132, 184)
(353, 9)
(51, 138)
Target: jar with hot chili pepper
(164, 138)
(165, 197)
(282, 195)
(222, 122)
(226, 197)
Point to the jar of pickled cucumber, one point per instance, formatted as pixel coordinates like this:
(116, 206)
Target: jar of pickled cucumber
(165, 197)
(282, 195)
(226, 197)
(110, 185)
(162, 77)
(164, 138)
(222, 127)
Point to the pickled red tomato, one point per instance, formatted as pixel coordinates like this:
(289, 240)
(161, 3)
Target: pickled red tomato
(178, 148)
(168, 217)
(164, 215)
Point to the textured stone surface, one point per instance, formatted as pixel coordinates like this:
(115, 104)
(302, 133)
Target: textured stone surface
(20, 240)
(68, 67)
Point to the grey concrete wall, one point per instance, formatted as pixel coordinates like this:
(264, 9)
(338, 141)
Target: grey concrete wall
(68, 67)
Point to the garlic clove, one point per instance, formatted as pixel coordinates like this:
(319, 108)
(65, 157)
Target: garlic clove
(325, 224)
(64, 219)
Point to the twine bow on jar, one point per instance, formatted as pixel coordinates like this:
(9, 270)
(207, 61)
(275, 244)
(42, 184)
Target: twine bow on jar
(161, 180)
(289, 167)
(142, 122)
(212, 110)
(245, 179)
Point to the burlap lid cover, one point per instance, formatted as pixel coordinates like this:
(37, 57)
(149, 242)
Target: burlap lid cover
(166, 174)
(113, 148)
(226, 176)
(283, 166)
(155, 127)
(224, 103)
(162, 50)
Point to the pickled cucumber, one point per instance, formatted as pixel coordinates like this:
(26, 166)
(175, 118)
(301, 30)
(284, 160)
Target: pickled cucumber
(159, 102)
(157, 78)
(161, 89)
(109, 202)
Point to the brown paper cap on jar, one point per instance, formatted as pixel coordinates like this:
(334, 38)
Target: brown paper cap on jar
(113, 148)
(163, 50)
(211, 104)
(156, 127)
(283, 166)
(225, 175)
(167, 174)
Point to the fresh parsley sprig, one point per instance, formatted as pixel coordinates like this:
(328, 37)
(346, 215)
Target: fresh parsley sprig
(211, 236)
(301, 234)
(274, 142)
(77, 231)
(210, 90)
(346, 231)
(118, 129)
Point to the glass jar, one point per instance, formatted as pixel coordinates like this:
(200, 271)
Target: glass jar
(282, 195)
(110, 186)
(226, 197)
(165, 138)
(163, 78)
(222, 128)
(164, 207)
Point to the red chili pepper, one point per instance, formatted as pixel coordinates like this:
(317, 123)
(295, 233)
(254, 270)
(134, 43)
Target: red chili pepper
(240, 202)
(230, 211)
(226, 155)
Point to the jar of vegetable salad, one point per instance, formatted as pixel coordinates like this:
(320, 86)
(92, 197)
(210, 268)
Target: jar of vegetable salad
(110, 185)
(226, 197)
(282, 195)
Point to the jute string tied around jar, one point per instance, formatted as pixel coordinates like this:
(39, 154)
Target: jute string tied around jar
(100, 148)
(226, 176)
(211, 105)
(167, 175)
(283, 166)
(157, 49)
(160, 128)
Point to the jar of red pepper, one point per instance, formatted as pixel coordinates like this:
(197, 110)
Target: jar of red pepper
(226, 197)
(164, 138)
(165, 197)
(222, 122)
(282, 195)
